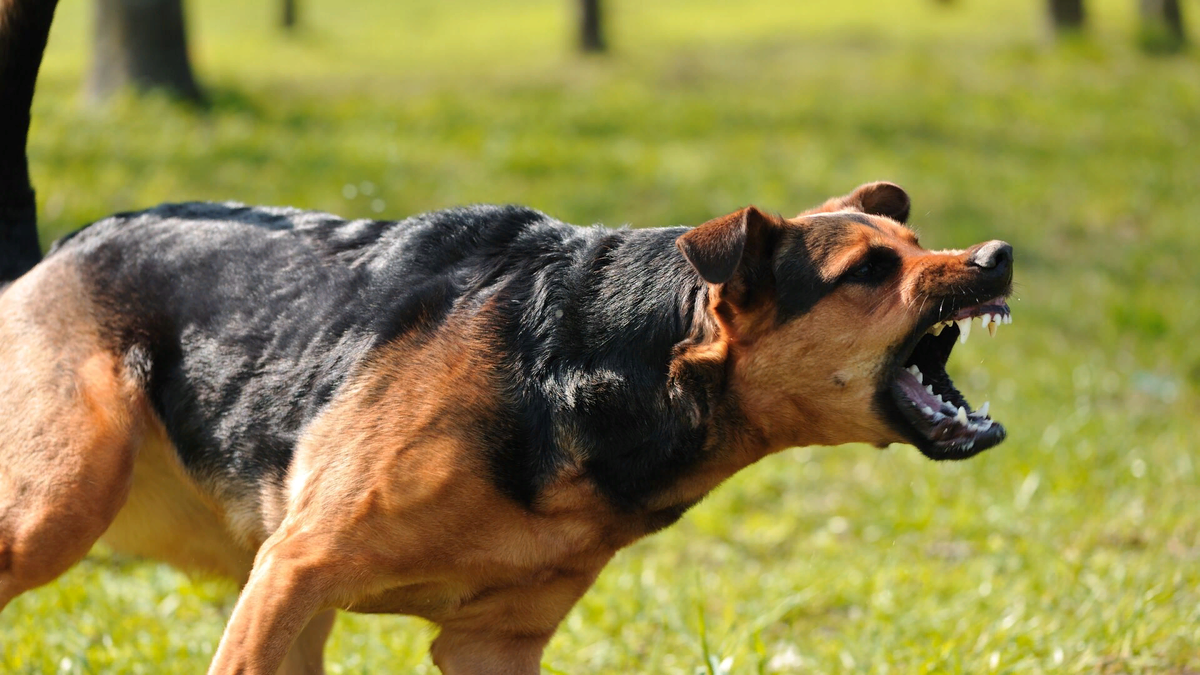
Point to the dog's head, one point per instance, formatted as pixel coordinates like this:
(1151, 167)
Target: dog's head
(839, 323)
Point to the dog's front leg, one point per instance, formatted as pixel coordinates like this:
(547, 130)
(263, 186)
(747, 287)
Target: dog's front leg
(488, 652)
(288, 586)
(307, 655)
(504, 630)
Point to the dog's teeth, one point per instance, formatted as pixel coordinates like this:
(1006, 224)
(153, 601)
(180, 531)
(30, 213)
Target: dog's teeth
(993, 327)
(964, 330)
(1008, 318)
(961, 417)
(985, 319)
(936, 329)
(928, 411)
(983, 409)
(929, 388)
(919, 376)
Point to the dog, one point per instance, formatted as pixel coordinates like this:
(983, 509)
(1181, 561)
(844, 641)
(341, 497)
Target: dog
(460, 416)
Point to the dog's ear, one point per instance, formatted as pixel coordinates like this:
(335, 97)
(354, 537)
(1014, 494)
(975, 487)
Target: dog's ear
(883, 199)
(879, 199)
(717, 247)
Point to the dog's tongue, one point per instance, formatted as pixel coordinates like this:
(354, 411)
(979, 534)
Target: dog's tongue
(922, 394)
(944, 420)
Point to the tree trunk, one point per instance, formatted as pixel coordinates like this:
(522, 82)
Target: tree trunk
(1162, 25)
(143, 44)
(591, 26)
(289, 17)
(24, 27)
(1066, 15)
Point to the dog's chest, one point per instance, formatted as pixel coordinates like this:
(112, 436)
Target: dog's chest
(490, 548)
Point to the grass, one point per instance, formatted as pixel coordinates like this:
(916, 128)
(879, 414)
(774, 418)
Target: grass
(1074, 547)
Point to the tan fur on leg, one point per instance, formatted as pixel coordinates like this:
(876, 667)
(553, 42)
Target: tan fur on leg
(70, 421)
(306, 657)
(288, 587)
(488, 653)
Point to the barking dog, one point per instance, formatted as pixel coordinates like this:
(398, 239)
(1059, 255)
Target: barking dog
(460, 416)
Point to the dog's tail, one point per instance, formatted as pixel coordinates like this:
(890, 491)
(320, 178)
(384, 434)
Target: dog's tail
(24, 28)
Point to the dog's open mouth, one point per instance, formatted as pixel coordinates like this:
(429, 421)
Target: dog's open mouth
(946, 426)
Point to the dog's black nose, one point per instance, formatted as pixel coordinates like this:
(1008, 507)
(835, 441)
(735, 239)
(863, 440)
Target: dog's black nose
(993, 255)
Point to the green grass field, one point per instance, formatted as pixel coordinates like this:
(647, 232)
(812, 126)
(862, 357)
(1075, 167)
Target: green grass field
(1073, 547)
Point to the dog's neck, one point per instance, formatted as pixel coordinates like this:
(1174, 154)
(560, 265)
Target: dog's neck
(744, 423)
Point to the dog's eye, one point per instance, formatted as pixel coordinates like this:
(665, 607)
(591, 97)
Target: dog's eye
(876, 267)
(864, 271)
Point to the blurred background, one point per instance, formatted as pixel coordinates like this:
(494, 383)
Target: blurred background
(1069, 129)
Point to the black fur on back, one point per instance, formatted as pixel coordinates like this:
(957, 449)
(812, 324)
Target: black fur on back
(247, 321)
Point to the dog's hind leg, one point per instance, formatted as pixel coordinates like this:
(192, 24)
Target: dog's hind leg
(69, 422)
